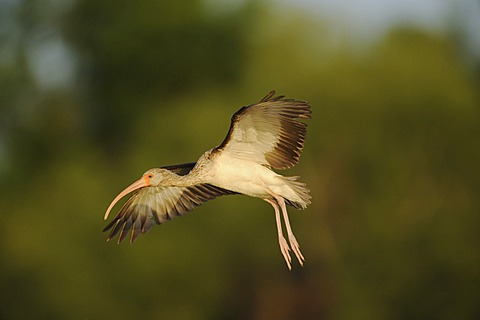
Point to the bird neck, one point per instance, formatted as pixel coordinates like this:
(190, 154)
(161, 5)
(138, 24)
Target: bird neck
(188, 180)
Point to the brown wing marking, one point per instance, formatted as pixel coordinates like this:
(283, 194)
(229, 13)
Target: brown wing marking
(181, 169)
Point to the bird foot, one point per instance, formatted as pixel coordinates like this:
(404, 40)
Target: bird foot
(284, 248)
(296, 249)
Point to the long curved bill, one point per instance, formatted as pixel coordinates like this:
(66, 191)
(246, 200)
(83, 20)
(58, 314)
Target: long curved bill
(141, 183)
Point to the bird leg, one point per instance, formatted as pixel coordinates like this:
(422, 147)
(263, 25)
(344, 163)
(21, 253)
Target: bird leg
(291, 238)
(281, 240)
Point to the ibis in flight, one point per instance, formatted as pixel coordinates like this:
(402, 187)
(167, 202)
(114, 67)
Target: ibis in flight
(263, 136)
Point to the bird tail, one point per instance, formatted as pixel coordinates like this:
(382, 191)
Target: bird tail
(301, 195)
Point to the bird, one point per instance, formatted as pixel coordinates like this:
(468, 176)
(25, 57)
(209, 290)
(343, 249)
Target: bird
(262, 137)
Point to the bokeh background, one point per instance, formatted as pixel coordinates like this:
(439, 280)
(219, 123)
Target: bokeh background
(95, 92)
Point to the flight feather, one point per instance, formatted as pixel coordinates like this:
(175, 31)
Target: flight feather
(268, 132)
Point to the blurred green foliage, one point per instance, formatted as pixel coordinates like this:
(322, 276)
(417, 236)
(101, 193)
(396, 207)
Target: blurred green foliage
(392, 160)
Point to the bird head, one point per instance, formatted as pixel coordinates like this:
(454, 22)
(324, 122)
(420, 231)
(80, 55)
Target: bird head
(156, 177)
(151, 178)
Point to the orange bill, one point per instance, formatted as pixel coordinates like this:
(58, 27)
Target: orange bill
(141, 183)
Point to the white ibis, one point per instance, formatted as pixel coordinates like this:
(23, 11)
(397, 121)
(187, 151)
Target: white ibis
(262, 136)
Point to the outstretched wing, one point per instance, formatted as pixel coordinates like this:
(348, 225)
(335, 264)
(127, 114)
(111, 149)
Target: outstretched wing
(158, 204)
(152, 205)
(268, 132)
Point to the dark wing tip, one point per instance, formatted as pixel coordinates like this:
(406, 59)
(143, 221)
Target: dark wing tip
(271, 97)
(292, 134)
(268, 97)
(303, 107)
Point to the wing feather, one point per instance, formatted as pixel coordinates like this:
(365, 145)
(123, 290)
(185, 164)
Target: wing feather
(152, 205)
(268, 132)
(181, 169)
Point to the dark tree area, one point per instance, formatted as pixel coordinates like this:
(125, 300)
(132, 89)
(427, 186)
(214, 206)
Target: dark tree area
(132, 53)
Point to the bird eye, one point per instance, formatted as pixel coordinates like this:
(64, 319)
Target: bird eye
(150, 176)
